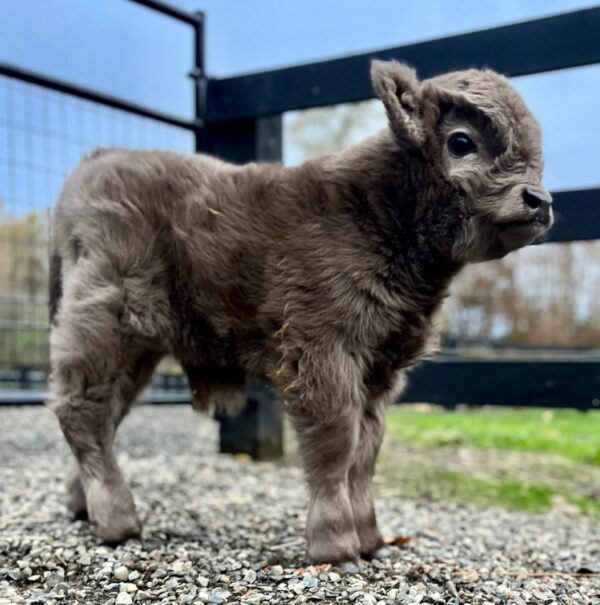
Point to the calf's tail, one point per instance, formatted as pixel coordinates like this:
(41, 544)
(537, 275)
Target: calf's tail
(55, 285)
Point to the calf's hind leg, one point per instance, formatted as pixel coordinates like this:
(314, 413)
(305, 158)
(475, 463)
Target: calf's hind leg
(136, 378)
(89, 361)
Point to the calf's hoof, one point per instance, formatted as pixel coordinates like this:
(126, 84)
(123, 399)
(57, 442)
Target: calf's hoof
(119, 530)
(326, 546)
(112, 512)
(371, 542)
(77, 507)
(76, 503)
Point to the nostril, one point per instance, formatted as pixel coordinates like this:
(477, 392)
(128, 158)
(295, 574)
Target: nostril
(534, 199)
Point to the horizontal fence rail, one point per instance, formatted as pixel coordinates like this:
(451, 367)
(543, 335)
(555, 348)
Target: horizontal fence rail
(25, 75)
(562, 383)
(577, 215)
(534, 383)
(171, 11)
(548, 44)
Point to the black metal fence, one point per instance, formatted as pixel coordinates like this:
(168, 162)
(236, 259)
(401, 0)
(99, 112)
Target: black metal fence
(48, 124)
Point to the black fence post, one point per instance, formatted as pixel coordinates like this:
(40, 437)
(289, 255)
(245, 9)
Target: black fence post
(257, 430)
(241, 141)
(198, 74)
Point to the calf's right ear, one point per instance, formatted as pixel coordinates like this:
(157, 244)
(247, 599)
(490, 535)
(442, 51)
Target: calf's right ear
(398, 87)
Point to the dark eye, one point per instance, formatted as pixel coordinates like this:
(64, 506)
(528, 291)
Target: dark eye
(460, 144)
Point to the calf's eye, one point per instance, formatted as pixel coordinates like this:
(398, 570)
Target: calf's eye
(461, 144)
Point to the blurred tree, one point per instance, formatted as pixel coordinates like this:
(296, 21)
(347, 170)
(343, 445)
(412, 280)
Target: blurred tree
(315, 132)
(24, 263)
(23, 288)
(540, 295)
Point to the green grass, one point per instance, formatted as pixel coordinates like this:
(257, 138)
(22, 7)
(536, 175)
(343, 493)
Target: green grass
(575, 435)
(432, 468)
(444, 485)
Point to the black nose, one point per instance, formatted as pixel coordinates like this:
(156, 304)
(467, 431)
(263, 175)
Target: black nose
(536, 198)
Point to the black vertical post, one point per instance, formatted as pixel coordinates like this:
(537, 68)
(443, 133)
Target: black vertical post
(198, 74)
(257, 430)
(241, 141)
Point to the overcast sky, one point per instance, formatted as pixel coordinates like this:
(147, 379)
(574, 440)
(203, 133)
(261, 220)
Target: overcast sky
(118, 47)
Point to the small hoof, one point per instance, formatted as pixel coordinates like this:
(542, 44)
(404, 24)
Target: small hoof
(117, 534)
(112, 512)
(341, 547)
(76, 502)
(348, 567)
(79, 515)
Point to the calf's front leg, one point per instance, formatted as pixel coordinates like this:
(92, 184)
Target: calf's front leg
(325, 408)
(327, 450)
(372, 425)
(372, 428)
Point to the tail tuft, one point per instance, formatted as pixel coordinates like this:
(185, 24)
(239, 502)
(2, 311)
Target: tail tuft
(55, 291)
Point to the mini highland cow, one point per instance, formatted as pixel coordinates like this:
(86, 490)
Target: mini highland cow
(323, 280)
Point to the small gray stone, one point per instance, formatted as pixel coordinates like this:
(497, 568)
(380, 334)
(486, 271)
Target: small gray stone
(180, 568)
(276, 570)
(123, 598)
(160, 573)
(55, 577)
(297, 587)
(85, 560)
(121, 573)
(219, 596)
(60, 590)
(249, 576)
(310, 581)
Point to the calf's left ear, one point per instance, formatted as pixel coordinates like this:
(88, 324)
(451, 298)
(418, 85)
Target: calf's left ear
(397, 86)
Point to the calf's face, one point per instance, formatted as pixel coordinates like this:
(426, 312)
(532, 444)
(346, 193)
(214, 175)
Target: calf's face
(476, 134)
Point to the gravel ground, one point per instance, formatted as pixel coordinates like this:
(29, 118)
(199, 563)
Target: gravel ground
(220, 529)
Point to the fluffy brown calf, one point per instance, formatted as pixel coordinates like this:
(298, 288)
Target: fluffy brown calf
(322, 280)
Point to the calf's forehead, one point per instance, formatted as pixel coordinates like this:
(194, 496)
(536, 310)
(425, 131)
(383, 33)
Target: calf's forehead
(494, 96)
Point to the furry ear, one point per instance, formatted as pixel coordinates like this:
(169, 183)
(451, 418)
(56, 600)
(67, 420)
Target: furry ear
(397, 86)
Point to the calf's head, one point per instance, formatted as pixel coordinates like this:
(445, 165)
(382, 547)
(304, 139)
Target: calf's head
(475, 134)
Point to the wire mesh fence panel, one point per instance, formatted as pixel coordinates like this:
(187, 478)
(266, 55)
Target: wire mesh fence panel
(43, 134)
